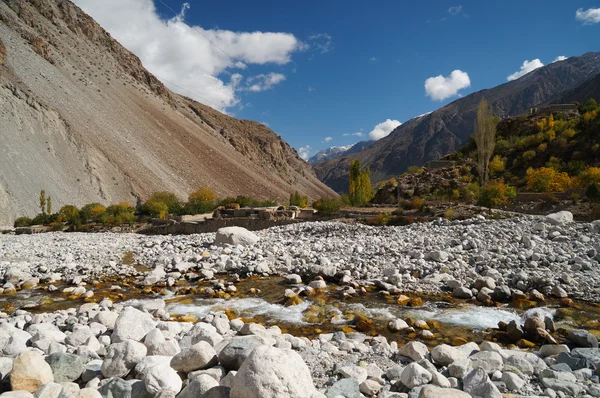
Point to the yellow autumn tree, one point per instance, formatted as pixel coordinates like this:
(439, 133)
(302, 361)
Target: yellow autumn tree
(546, 179)
(589, 176)
(497, 165)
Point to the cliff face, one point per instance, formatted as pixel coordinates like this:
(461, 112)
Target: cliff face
(444, 131)
(81, 118)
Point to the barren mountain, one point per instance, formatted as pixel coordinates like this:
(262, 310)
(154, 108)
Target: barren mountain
(81, 118)
(441, 132)
(589, 89)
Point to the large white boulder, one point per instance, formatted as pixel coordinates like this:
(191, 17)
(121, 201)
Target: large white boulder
(132, 324)
(30, 372)
(271, 372)
(122, 357)
(199, 356)
(560, 217)
(235, 236)
(445, 355)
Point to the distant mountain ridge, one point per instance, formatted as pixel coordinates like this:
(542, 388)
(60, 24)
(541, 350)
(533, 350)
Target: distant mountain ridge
(443, 131)
(336, 151)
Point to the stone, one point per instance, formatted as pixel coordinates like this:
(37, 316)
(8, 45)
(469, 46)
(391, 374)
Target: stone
(235, 236)
(107, 318)
(347, 388)
(199, 356)
(513, 382)
(132, 324)
(122, 357)
(439, 256)
(30, 372)
(66, 367)
(357, 373)
(460, 368)
(548, 350)
(582, 338)
(162, 378)
(116, 388)
(370, 387)
(218, 392)
(237, 350)
(271, 372)
(17, 394)
(462, 292)
(414, 350)
(398, 324)
(560, 217)
(157, 344)
(198, 386)
(478, 384)
(431, 391)
(445, 355)
(49, 390)
(415, 375)
(488, 360)
(88, 393)
(293, 279)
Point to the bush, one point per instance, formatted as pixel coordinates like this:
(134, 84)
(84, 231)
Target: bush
(119, 214)
(296, 199)
(449, 214)
(546, 179)
(157, 209)
(168, 198)
(69, 214)
(589, 176)
(495, 194)
(417, 203)
(327, 206)
(528, 155)
(90, 212)
(202, 200)
(496, 165)
(22, 222)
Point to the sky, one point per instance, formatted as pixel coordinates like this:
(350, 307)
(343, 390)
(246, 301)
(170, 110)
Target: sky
(324, 73)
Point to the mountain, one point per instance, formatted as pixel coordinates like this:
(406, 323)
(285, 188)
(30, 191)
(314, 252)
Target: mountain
(337, 151)
(433, 135)
(582, 93)
(83, 119)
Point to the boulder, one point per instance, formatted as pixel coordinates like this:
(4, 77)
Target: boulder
(488, 360)
(116, 388)
(445, 355)
(132, 324)
(271, 372)
(162, 378)
(560, 217)
(235, 353)
(431, 391)
(582, 338)
(478, 384)
(198, 386)
(414, 350)
(122, 357)
(30, 372)
(235, 236)
(66, 367)
(347, 388)
(415, 375)
(199, 356)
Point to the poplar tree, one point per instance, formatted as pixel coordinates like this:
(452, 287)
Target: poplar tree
(360, 190)
(485, 138)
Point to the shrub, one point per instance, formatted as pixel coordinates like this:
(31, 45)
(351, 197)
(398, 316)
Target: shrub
(495, 194)
(546, 179)
(56, 226)
(502, 146)
(69, 214)
(296, 199)
(589, 176)
(417, 203)
(466, 179)
(327, 206)
(593, 192)
(496, 165)
(528, 155)
(170, 199)
(22, 222)
(202, 200)
(382, 219)
(118, 214)
(416, 170)
(449, 214)
(575, 167)
(157, 209)
(90, 212)
(542, 147)
(555, 163)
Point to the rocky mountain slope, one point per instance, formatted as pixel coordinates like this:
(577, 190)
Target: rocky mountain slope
(83, 119)
(447, 129)
(582, 93)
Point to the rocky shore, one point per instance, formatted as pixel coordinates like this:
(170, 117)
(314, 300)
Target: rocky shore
(108, 349)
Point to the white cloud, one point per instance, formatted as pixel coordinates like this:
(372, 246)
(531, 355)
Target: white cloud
(439, 88)
(588, 17)
(559, 58)
(455, 10)
(527, 67)
(383, 129)
(263, 82)
(357, 134)
(373, 59)
(328, 139)
(178, 52)
(304, 152)
(311, 88)
(321, 42)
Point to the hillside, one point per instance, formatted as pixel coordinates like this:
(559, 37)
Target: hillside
(589, 89)
(83, 119)
(447, 129)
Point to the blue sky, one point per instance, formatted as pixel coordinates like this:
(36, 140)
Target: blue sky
(336, 68)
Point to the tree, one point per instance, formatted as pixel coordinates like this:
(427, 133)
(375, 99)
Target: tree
(360, 190)
(296, 199)
(590, 176)
(69, 214)
(168, 198)
(546, 179)
(202, 200)
(495, 194)
(485, 138)
(43, 202)
(49, 205)
(497, 165)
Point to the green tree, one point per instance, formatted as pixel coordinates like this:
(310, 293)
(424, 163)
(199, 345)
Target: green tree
(495, 194)
(296, 199)
(327, 206)
(43, 202)
(202, 200)
(49, 205)
(485, 138)
(70, 215)
(360, 190)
